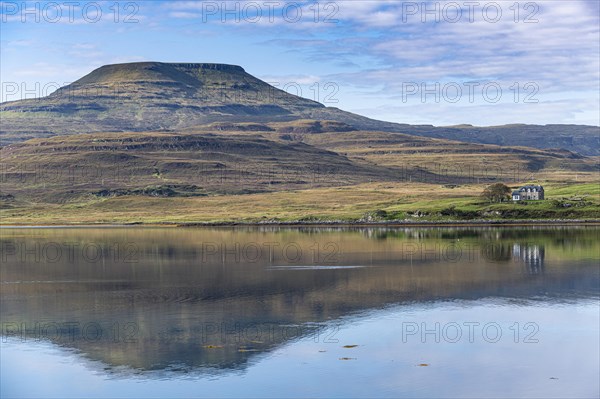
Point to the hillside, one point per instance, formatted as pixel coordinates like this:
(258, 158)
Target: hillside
(278, 172)
(160, 164)
(151, 96)
(229, 158)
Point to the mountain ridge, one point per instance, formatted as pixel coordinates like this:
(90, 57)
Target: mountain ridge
(157, 96)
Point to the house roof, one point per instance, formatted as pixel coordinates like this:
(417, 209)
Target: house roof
(531, 186)
(516, 192)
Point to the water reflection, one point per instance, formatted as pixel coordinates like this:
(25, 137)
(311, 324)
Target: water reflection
(184, 299)
(531, 255)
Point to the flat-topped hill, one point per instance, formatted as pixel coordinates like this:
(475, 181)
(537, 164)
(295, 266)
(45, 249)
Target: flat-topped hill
(156, 71)
(150, 96)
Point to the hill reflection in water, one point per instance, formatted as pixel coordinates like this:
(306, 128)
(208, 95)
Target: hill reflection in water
(183, 299)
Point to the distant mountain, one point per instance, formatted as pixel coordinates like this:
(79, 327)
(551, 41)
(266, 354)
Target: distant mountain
(152, 96)
(582, 139)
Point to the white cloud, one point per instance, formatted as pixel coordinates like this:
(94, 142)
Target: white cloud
(184, 14)
(286, 79)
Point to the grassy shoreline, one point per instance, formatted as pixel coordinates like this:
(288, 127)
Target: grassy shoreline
(369, 204)
(399, 223)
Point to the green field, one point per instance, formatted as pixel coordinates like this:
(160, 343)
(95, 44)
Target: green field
(374, 202)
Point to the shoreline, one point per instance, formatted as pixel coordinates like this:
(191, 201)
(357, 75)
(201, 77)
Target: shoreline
(317, 224)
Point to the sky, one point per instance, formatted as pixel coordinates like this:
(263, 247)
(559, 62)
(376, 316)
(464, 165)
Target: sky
(436, 62)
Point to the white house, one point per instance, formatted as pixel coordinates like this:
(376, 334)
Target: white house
(527, 193)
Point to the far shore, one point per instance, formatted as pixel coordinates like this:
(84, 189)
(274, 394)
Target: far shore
(400, 223)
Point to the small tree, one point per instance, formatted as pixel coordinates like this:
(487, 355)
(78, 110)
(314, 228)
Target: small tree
(497, 192)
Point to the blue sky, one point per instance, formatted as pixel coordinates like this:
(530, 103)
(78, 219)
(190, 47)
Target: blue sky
(440, 62)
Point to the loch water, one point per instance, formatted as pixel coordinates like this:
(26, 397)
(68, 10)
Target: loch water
(300, 312)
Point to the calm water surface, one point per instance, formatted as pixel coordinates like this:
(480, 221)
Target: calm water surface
(297, 312)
